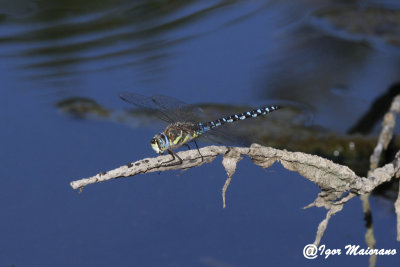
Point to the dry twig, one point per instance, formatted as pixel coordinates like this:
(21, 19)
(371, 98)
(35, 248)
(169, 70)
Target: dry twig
(384, 139)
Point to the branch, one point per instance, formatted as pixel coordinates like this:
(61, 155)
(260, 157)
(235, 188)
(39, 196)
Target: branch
(384, 139)
(383, 142)
(386, 134)
(333, 179)
(397, 208)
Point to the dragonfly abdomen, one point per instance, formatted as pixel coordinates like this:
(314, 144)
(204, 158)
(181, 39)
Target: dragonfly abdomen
(236, 117)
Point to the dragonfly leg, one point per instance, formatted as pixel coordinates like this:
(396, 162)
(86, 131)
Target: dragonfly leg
(202, 159)
(173, 158)
(187, 145)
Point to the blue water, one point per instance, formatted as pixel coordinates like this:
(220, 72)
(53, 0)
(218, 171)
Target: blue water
(225, 52)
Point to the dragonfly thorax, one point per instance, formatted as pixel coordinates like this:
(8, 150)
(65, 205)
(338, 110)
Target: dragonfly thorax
(175, 135)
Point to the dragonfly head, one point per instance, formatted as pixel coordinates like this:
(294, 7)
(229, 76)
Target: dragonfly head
(159, 143)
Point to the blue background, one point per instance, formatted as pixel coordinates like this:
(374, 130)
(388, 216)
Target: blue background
(224, 52)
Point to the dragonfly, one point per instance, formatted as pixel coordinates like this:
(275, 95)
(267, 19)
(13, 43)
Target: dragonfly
(184, 125)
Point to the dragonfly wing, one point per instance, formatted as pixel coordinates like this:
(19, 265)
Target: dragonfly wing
(225, 135)
(167, 102)
(179, 110)
(147, 103)
(176, 109)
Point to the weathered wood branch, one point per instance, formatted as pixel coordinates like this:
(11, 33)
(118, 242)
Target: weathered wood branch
(389, 121)
(386, 135)
(333, 179)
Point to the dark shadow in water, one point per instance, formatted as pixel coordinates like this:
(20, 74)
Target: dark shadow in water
(376, 111)
(315, 63)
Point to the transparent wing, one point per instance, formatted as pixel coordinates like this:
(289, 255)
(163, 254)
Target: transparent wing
(166, 108)
(241, 133)
(225, 135)
(146, 103)
(177, 109)
(168, 103)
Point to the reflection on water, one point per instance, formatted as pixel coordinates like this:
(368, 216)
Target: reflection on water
(58, 38)
(302, 62)
(374, 25)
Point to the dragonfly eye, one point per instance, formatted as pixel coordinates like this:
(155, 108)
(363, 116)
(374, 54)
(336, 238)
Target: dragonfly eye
(155, 145)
